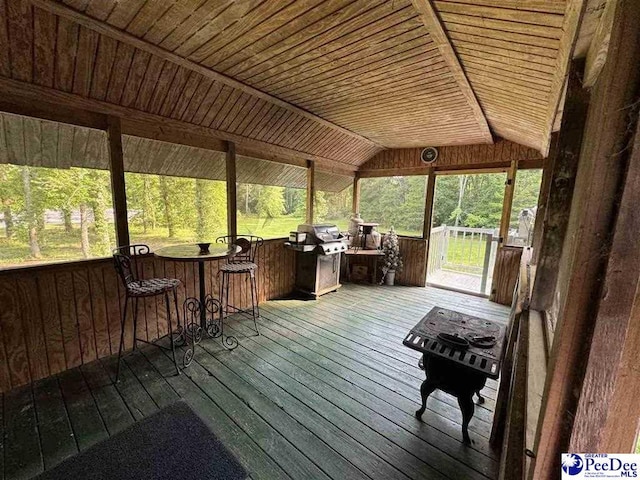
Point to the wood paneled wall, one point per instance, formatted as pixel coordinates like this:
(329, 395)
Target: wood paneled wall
(55, 317)
(407, 160)
(505, 274)
(414, 256)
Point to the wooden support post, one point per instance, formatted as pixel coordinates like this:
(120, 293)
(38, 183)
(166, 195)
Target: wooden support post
(118, 192)
(232, 198)
(600, 180)
(311, 189)
(508, 201)
(560, 174)
(428, 217)
(543, 199)
(356, 194)
(609, 411)
(428, 204)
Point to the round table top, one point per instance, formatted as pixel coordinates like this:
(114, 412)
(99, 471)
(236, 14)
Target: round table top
(191, 252)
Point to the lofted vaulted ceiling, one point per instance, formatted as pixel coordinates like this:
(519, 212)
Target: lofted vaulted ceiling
(331, 80)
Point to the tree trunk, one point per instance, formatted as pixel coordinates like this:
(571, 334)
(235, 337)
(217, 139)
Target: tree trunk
(66, 214)
(103, 244)
(8, 221)
(461, 189)
(201, 225)
(30, 213)
(164, 190)
(145, 204)
(84, 230)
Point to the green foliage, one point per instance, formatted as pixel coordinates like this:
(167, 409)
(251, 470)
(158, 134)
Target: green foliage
(397, 201)
(210, 204)
(320, 207)
(271, 202)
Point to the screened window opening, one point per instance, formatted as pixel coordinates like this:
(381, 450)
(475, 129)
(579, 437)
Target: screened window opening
(175, 193)
(397, 202)
(333, 200)
(524, 207)
(271, 197)
(55, 192)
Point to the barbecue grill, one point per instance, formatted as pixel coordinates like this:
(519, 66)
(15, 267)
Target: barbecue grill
(318, 248)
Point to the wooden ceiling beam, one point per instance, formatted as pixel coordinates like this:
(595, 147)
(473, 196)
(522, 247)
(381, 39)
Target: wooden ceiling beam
(124, 37)
(436, 31)
(147, 125)
(599, 46)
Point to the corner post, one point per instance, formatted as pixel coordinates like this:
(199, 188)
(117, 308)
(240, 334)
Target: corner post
(311, 189)
(355, 206)
(508, 201)
(428, 204)
(118, 192)
(232, 198)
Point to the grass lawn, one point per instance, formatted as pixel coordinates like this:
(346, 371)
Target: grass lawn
(58, 245)
(55, 245)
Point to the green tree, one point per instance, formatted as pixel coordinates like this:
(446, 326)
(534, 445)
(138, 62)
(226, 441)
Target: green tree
(143, 198)
(10, 196)
(271, 202)
(31, 212)
(99, 194)
(320, 207)
(210, 201)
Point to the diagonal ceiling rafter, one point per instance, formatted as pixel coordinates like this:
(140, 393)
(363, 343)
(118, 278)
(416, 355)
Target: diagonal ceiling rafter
(436, 31)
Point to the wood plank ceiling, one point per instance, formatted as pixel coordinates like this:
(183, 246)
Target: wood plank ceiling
(511, 53)
(336, 79)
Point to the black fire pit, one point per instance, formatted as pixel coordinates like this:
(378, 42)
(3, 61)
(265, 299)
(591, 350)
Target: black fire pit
(459, 353)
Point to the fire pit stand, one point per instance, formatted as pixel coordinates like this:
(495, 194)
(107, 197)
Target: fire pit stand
(459, 353)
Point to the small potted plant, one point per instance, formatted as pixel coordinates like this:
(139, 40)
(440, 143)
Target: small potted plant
(392, 260)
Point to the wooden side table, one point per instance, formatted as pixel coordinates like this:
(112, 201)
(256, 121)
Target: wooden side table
(358, 252)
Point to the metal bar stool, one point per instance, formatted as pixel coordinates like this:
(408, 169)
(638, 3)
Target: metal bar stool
(242, 263)
(128, 269)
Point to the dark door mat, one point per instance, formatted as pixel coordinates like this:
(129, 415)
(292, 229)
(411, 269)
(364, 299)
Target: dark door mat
(173, 443)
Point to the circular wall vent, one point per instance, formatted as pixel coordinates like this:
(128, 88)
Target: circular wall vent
(429, 155)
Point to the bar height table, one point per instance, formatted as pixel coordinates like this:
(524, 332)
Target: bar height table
(205, 302)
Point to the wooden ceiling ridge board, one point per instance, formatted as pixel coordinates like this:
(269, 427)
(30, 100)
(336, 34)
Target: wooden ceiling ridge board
(154, 50)
(574, 13)
(436, 31)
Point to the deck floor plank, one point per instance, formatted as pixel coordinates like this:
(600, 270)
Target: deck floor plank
(137, 399)
(292, 461)
(86, 422)
(112, 408)
(321, 453)
(22, 453)
(249, 454)
(368, 411)
(326, 391)
(297, 321)
(56, 435)
(435, 430)
(287, 398)
(334, 361)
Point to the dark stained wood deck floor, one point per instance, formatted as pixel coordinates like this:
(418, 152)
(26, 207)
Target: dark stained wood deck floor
(303, 400)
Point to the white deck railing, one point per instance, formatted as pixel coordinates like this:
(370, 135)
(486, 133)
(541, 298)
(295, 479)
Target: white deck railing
(465, 250)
